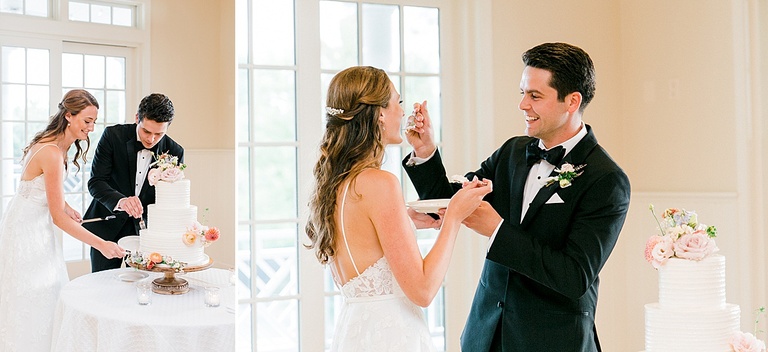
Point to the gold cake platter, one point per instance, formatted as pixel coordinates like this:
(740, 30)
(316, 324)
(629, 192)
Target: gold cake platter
(169, 284)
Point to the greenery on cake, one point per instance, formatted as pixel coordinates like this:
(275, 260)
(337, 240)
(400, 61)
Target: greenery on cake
(682, 236)
(148, 261)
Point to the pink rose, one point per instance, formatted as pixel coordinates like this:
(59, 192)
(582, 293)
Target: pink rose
(658, 250)
(172, 175)
(746, 342)
(695, 246)
(153, 176)
(212, 234)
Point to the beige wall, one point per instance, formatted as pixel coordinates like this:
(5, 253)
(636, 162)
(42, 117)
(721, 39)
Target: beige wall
(676, 107)
(193, 62)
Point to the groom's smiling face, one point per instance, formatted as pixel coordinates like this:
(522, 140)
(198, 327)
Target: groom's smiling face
(150, 132)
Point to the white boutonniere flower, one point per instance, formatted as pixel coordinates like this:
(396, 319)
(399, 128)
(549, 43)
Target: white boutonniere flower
(565, 175)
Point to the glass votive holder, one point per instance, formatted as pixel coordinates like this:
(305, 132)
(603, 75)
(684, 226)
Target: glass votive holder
(144, 293)
(212, 296)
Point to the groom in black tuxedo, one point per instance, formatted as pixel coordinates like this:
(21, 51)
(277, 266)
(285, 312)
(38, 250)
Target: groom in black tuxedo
(118, 180)
(548, 240)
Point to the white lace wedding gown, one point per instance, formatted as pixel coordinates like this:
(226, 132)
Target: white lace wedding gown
(376, 314)
(32, 269)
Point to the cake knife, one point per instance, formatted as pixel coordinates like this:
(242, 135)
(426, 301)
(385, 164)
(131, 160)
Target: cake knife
(99, 219)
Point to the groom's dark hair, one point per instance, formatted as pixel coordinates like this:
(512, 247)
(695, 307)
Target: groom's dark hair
(571, 67)
(156, 107)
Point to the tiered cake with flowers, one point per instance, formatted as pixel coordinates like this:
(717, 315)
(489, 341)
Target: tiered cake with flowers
(692, 313)
(173, 237)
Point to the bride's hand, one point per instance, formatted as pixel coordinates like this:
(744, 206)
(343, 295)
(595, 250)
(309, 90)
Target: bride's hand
(72, 213)
(111, 250)
(467, 199)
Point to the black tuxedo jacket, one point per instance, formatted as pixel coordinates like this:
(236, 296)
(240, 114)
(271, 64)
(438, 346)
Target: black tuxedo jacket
(540, 278)
(113, 177)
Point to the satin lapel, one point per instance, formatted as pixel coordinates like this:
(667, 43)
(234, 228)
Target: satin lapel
(519, 171)
(130, 149)
(574, 157)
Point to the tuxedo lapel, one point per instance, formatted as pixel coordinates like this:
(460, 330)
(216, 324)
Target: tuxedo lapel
(130, 149)
(575, 157)
(519, 171)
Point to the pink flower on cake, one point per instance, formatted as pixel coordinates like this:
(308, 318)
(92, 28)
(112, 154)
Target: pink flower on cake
(746, 342)
(682, 236)
(166, 168)
(695, 246)
(171, 175)
(211, 235)
(153, 176)
(189, 238)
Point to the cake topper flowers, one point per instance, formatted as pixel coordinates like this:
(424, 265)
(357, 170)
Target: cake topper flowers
(682, 236)
(166, 168)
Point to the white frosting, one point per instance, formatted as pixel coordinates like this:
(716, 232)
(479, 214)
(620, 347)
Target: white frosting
(167, 221)
(692, 314)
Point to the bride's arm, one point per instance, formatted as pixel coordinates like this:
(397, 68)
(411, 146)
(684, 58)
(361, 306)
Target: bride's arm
(51, 162)
(420, 278)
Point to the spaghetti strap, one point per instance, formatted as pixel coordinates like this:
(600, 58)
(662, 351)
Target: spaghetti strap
(344, 233)
(33, 155)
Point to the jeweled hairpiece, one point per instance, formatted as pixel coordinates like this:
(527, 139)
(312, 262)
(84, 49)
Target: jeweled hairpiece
(333, 111)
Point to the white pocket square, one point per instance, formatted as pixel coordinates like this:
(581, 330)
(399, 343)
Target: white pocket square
(555, 199)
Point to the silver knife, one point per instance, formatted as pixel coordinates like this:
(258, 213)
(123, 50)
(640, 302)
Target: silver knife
(99, 219)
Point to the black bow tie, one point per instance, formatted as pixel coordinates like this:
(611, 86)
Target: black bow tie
(533, 154)
(140, 146)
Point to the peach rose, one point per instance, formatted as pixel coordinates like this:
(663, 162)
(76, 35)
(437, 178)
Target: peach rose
(746, 342)
(695, 246)
(156, 257)
(189, 238)
(212, 234)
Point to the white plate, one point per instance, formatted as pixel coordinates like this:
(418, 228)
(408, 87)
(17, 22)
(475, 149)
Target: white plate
(429, 205)
(130, 243)
(131, 276)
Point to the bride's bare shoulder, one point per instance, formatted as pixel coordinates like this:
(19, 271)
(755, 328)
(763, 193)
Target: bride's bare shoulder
(376, 181)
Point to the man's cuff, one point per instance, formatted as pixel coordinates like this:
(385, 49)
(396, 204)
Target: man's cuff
(415, 160)
(493, 236)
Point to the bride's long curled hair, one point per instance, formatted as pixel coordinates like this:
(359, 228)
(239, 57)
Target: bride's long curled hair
(73, 103)
(351, 143)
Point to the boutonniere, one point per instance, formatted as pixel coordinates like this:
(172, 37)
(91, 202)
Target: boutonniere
(565, 175)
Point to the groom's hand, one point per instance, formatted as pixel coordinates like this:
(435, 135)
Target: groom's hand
(420, 136)
(483, 220)
(132, 206)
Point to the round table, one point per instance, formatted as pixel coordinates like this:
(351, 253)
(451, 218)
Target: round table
(100, 312)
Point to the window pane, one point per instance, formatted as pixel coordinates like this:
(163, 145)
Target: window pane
(381, 36)
(276, 260)
(275, 193)
(122, 16)
(241, 31)
(115, 72)
(101, 14)
(12, 6)
(277, 326)
(37, 103)
(10, 179)
(37, 8)
(14, 102)
(79, 12)
(37, 62)
(274, 104)
(421, 40)
(14, 64)
(113, 108)
(338, 35)
(273, 42)
(94, 74)
(72, 70)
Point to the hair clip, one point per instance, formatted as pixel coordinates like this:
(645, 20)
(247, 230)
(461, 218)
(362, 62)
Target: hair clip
(334, 111)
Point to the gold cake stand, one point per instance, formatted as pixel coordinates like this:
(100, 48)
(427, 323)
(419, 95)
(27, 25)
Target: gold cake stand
(169, 284)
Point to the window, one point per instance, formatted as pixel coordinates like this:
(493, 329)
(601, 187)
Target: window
(287, 302)
(34, 75)
(104, 13)
(37, 8)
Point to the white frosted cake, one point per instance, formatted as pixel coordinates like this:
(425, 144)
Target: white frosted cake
(692, 314)
(168, 220)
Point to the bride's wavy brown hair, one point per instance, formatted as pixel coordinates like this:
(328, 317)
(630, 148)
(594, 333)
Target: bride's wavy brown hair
(351, 143)
(73, 102)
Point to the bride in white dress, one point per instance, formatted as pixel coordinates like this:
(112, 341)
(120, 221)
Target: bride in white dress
(360, 227)
(32, 268)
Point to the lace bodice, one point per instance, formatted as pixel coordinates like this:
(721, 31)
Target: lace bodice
(33, 190)
(376, 280)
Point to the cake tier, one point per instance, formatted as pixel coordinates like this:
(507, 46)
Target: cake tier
(172, 194)
(171, 220)
(692, 284)
(700, 330)
(171, 244)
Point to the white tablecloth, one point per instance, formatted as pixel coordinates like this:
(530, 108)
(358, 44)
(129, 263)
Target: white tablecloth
(99, 312)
